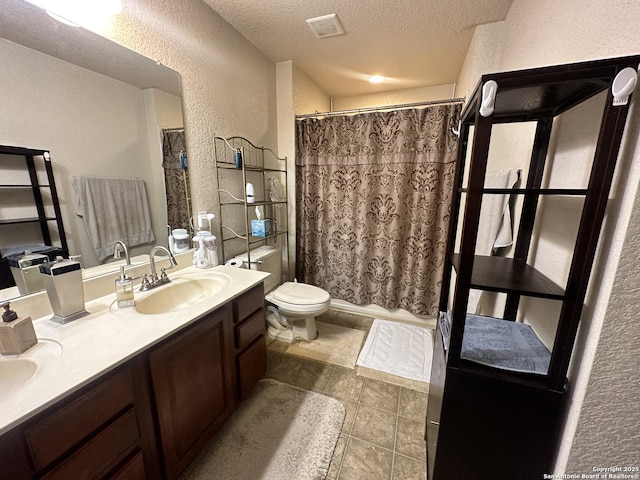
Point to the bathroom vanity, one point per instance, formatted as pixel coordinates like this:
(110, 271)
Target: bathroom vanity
(122, 394)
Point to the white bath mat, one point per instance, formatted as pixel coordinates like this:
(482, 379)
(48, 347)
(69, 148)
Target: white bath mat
(336, 345)
(398, 349)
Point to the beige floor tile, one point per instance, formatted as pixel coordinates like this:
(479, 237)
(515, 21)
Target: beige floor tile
(363, 461)
(338, 454)
(276, 345)
(405, 468)
(380, 395)
(284, 369)
(363, 323)
(413, 404)
(341, 319)
(345, 384)
(352, 409)
(313, 375)
(410, 439)
(383, 432)
(375, 426)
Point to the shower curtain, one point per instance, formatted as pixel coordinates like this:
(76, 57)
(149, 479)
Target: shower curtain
(176, 180)
(373, 200)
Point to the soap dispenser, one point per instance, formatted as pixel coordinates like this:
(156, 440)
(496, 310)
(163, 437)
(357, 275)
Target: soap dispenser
(124, 290)
(16, 334)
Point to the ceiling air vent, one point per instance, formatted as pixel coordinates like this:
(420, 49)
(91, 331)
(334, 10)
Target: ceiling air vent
(325, 26)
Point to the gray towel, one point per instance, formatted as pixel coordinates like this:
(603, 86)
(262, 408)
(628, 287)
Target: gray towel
(494, 228)
(113, 209)
(505, 345)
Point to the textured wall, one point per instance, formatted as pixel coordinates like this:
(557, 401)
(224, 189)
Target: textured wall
(228, 84)
(394, 97)
(608, 431)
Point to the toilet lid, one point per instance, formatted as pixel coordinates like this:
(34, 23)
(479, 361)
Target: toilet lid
(300, 294)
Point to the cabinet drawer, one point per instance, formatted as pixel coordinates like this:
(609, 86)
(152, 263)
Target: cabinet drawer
(249, 303)
(249, 328)
(252, 364)
(60, 431)
(132, 470)
(98, 454)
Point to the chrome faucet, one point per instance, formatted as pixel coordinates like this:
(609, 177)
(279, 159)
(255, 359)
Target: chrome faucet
(154, 281)
(119, 248)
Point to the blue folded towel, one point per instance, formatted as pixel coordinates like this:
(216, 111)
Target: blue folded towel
(505, 345)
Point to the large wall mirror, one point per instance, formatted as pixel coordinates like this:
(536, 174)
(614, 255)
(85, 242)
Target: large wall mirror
(99, 108)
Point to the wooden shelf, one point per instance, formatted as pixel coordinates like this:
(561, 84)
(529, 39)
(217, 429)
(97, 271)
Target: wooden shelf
(526, 95)
(509, 275)
(530, 191)
(27, 220)
(26, 186)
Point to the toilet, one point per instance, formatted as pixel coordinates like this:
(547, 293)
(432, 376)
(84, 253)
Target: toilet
(294, 306)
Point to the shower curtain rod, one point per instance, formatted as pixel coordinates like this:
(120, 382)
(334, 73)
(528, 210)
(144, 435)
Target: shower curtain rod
(386, 107)
(173, 129)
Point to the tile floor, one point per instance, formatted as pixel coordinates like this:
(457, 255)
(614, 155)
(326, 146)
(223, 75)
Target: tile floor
(383, 433)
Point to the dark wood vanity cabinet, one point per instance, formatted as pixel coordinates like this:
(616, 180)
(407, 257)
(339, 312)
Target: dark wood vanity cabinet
(149, 418)
(95, 433)
(249, 340)
(192, 385)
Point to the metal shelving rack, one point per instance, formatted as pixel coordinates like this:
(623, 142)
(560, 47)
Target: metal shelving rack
(258, 166)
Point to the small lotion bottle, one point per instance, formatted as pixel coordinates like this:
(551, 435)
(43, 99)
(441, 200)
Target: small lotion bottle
(124, 290)
(250, 193)
(17, 335)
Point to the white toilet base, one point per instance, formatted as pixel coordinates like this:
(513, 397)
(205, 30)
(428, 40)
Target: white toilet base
(304, 328)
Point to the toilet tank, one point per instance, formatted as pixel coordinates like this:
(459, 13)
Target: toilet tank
(266, 259)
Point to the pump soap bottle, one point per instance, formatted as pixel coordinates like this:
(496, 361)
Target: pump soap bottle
(124, 290)
(16, 334)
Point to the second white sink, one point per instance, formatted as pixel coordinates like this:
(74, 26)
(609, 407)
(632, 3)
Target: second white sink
(183, 292)
(14, 374)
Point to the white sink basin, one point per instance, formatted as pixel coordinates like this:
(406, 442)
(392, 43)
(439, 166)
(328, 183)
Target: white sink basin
(15, 373)
(183, 292)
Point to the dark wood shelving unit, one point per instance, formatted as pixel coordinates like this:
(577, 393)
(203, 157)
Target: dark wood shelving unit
(486, 420)
(42, 219)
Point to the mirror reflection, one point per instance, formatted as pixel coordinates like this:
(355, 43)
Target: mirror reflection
(121, 122)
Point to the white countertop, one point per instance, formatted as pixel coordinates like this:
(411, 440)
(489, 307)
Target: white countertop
(72, 355)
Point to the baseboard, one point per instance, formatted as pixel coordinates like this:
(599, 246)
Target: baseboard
(376, 311)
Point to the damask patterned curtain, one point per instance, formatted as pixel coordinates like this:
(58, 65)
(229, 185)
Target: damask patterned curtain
(176, 180)
(373, 200)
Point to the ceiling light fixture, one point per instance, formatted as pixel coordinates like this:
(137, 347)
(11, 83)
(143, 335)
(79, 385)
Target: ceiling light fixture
(325, 26)
(79, 12)
(376, 79)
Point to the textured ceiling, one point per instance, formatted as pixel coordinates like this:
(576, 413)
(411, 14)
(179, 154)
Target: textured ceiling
(413, 43)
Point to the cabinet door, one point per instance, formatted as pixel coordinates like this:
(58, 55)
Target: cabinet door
(434, 406)
(191, 378)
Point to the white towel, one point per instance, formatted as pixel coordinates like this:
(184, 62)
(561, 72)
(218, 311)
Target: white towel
(494, 229)
(113, 209)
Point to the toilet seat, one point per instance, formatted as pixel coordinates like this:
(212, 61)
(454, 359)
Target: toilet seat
(301, 294)
(297, 309)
